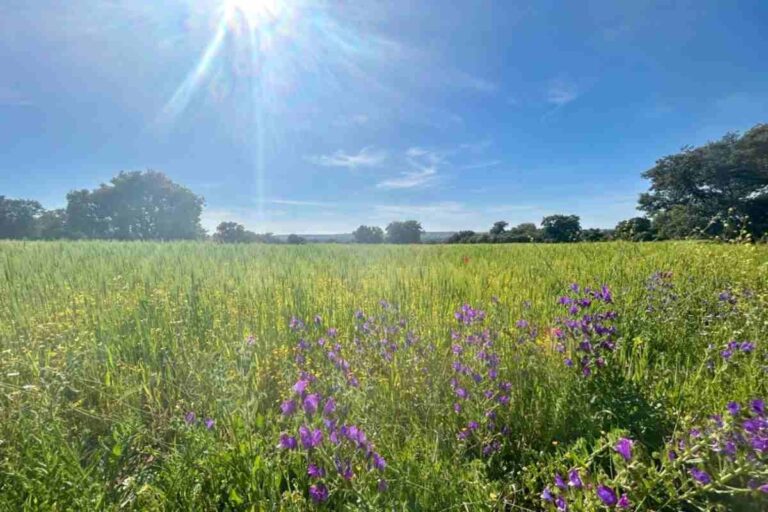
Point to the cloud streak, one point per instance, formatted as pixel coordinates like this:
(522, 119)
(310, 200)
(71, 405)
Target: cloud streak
(561, 92)
(366, 157)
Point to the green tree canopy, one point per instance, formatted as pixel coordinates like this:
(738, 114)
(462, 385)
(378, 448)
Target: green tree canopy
(18, 218)
(408, 232)
(561, 228)
(368, 235)
(722, 178)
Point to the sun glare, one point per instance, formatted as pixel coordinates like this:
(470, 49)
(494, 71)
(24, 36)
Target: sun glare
(256, 13)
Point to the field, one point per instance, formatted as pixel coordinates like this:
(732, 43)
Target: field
(191, 376)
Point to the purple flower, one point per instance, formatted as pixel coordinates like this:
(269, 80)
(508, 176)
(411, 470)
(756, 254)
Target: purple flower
(318, 493)
(287, 442)
(301, 386)
(315, 472)
(726, 354)
(288, 407)
(760, 444)
(209, 423)
(190, 417)
(700, 475)
(763, 488)
(574, 479)
(559, 482)
(379, 462)
(382, 486)
(758, 406)
(672, 455)
(309, 438)
(561, 504)
(462, 393)
(457, 408)
(546, 495)
(624, 501)
(330, 406)
(624, 448)
(606, 495)
(311, 403)
(733, 408)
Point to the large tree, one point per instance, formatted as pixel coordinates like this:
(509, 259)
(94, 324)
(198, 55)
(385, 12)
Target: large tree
(718, 180)
(368, 235)
(408, 232)
(636, 229)
(136, 206)
(498, 227)
(18, 218)
(233, 233)
(561, 228)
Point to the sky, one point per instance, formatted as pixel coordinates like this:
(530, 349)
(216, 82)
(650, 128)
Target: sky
(302, 116)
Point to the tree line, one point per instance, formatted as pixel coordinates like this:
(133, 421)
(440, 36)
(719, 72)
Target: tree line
(718, 190)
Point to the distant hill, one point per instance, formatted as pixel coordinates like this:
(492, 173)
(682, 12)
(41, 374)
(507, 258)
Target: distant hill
(429, 236)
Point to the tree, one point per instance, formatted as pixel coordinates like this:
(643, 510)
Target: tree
(636, 229)
(724, 178)
(679, 222)
(296, 239)
(498, 227)
(52, 225)
(408, 232)
(368, 235)
(18, 217)
(462, 237)
(136, 206)
(561, 228)
(233, 233)
(594, 235)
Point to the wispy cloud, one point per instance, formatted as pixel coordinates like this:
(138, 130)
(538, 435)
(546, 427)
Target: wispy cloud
(475, 83)
(561, 92)
(294, 202)
(482, 165)
(423, 164)
(366, 157)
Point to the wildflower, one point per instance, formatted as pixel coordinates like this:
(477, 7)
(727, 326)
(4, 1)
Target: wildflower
(310, 439)
(624, 501)
(311, 403)
(763, 488)
(379, 462)
(606, 495)
(382, 485)
(457, 408)
(301, 386)
(733, 408)
(288, 407)
(672, 455)
(318, 493)
(624, 448)
(461, 393)
(315, 472)
(561, 504)
(546, 495)
(758, 406)
(559, 482)
(190, 417)
(209, 423)
(574, 479)
(287, 442)
(472, 425)
(330, 406)
(700, 475)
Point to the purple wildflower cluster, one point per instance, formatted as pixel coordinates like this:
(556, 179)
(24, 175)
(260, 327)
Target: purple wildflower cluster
(578, 489)
(190, 418)
(586, 335)
(478, 391)
(334, 448)
(660, 292)
(384, 333)
(737, 347)
(739, 436)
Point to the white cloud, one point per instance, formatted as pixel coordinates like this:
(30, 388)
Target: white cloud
(482, 165)
(366, 157)
(561, 92)
(294, 202)
(410, 179)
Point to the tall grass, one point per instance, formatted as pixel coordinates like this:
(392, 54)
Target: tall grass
(105, 347)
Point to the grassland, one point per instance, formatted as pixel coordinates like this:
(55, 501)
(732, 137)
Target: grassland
(113, 356)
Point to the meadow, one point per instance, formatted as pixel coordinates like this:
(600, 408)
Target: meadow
(196, 376)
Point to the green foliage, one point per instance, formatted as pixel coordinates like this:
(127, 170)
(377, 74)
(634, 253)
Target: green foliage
(636, 229)
(407, 232)
(368, 235)
(18, 218)
(692, 188)
(106, 346)
(561, 228)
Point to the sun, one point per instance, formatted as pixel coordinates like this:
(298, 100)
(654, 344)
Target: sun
(256, 13)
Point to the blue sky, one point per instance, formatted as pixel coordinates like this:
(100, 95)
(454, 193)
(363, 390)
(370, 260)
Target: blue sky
(317, 116)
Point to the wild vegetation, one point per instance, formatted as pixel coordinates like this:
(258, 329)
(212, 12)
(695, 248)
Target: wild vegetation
(187, 376)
